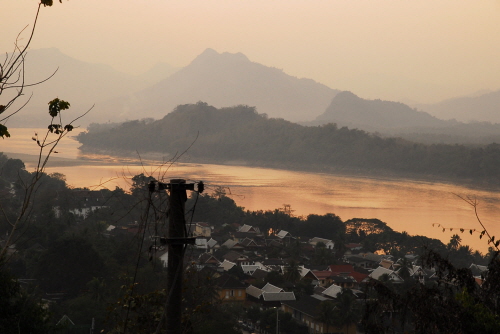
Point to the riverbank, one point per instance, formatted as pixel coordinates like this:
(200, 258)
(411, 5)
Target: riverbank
(310, 167)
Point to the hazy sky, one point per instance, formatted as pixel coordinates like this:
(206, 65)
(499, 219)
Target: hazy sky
(422, 50)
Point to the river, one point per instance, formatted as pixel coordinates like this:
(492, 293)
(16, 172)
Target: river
(405, 205)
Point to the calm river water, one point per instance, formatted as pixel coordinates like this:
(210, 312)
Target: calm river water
(405, 205)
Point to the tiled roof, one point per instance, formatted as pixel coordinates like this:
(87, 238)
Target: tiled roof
(249, 269)
(322, 274)
(332, 291)
(271, 288)
(233, 256)
(247, 228)
(377, 273)
(227, 265)
(281, 234)
(205, 257)
(230, 243)
(248, 242)
(254, 291)
(315, 240)
(211, 243)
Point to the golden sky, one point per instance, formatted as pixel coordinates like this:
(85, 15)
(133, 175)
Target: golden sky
(422, 51)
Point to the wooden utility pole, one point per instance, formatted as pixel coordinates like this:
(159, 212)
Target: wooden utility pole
(176, 241)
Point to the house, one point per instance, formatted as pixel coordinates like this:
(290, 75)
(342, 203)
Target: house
(353, 247)
(212, 244)
(227, 265)
(477, 270)
(232, 244)
(249, 244)
(387, 264)
(381, 271)
(328, 243)
(274, 264)
(362, 261)
(201, 243)
(347, 270)
(308, 274)
(85, 201)
(269, 295)
(323, 277)
(282, 234)
(250, 269)
(208, 259)
(332, 291)
(347, 282)
(199, 229)
(274, 299)
(163, 256)
(271, 288)
(237, 258)
(249, 229)
(422, 274)
(230, 289)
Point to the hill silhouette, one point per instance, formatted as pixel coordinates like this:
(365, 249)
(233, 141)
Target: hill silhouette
(241, 135)
(397, 119)
(481, 108)
(350, 110)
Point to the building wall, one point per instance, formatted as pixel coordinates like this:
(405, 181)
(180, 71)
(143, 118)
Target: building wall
(232, 295)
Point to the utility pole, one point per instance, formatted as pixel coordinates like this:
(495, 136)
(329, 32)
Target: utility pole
(176, 234)
(176, 241)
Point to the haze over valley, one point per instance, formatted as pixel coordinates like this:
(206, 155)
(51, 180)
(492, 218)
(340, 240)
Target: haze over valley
(246, 166)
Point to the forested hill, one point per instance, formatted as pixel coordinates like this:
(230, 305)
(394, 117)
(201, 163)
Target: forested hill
(238, 134)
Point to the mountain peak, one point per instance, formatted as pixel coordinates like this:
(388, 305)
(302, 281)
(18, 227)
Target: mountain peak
(209, 52)
(210, 56)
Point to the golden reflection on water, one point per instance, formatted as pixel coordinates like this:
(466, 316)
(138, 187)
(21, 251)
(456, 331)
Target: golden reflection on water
(405, 205)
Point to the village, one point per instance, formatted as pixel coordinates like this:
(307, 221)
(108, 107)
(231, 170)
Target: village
(318, 275)
(244, 273)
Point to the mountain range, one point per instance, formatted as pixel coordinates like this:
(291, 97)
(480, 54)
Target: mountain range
(225, 79)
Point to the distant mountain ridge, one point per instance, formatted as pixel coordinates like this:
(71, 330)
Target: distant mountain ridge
(398, 119)
(349, 109)
(82, 84)
(483, 108)
(223, 79)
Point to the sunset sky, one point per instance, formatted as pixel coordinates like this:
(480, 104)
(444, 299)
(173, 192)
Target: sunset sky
(422, 51)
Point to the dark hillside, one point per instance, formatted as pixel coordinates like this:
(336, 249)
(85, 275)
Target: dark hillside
(240, 135)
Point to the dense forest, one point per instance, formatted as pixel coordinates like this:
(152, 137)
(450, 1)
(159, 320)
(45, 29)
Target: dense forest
(241, 135)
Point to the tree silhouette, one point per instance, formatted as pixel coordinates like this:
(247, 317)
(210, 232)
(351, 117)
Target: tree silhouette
(454, 242)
